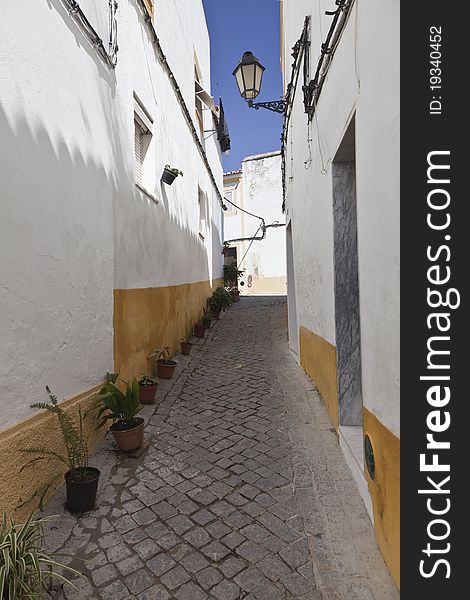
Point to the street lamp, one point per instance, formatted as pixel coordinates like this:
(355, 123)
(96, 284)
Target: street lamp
(249, 75)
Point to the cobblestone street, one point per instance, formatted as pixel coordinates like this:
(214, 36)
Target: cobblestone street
(243, 492)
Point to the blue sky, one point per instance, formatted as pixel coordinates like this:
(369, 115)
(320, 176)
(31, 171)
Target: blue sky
(236, 26)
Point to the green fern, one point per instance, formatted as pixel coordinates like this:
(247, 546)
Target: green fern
(74, 438)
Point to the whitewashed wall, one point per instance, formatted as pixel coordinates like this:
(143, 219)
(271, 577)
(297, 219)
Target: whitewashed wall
(73, 225)
(363, 77)
(260, 193)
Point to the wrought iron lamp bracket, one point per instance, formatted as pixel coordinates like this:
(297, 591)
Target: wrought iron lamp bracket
(277, 106)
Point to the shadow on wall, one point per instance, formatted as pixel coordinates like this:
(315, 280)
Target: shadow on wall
(82, 42)
(57, 247)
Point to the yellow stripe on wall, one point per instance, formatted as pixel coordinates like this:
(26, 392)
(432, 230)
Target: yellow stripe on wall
(318, 360)
(150, 318)
(385, 490)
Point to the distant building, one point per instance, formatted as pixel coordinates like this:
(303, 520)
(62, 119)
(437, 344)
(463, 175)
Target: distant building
(256, 188)
(341, 177)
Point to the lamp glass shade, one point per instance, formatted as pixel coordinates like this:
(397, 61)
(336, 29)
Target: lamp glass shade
(249, 75)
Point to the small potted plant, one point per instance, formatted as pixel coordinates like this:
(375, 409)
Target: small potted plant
(147, 389)
(219, 301)
(199, 329)
(185, 347)
(231, 275)
(170, 174)
(207, 319)
(165, 366)
(122, 409)
(26, 569)
(81, 480)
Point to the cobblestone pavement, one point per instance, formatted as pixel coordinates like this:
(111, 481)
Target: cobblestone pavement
(243, 492)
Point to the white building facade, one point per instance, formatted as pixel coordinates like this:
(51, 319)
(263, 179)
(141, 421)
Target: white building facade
(341, 177)
(256, 191)
(101, 261)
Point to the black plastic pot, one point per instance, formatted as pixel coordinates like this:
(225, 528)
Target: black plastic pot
(81, 494)
(168, 176)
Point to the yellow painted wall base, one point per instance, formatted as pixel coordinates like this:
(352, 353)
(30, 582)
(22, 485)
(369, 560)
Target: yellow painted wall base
(40, 430)
(265, 286)
(385, 490)
(150, 318)
(318, 360)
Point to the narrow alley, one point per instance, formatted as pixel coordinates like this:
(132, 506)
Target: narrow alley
(242, 493)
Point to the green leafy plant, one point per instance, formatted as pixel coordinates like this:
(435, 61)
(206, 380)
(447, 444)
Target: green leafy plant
(220, 300)
(162, 355)
(207, 316)
(173, 170)
(147, 381)
(189, 334)
(26, 570)
(231, 274)
(75, 442)
(112, 377)
(114, 405)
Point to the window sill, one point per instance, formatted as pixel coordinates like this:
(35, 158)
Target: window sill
(146, 192)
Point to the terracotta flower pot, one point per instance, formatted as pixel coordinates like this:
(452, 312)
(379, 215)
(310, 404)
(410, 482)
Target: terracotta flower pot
(147, 393)
(81, 492)
(235, 295)
(131, 438)
(165, 368)
(186, 348)
(199, 330)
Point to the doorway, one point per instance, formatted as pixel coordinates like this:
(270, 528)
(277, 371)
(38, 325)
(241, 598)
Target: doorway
(347, 313)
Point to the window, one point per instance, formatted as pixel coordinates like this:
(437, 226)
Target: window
(202, 213)
(143, 149)
(229, 195)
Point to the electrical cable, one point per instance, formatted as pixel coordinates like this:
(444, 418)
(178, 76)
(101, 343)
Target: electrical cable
(180, 98)
(243, 210)
(249, 246)
(110, 58)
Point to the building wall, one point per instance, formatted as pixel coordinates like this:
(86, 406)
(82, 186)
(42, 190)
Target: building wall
(259, 192)
(362, 83)
(84, 250)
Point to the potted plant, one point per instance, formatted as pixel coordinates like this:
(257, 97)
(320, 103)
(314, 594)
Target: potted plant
(147, 389)
(185, 347)
(165, 366)
(207, 319)
(199, 330)
(231, 275)
(81, 480)
(122, 409)
(220, 300)
(170, 174)
(26, 569)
